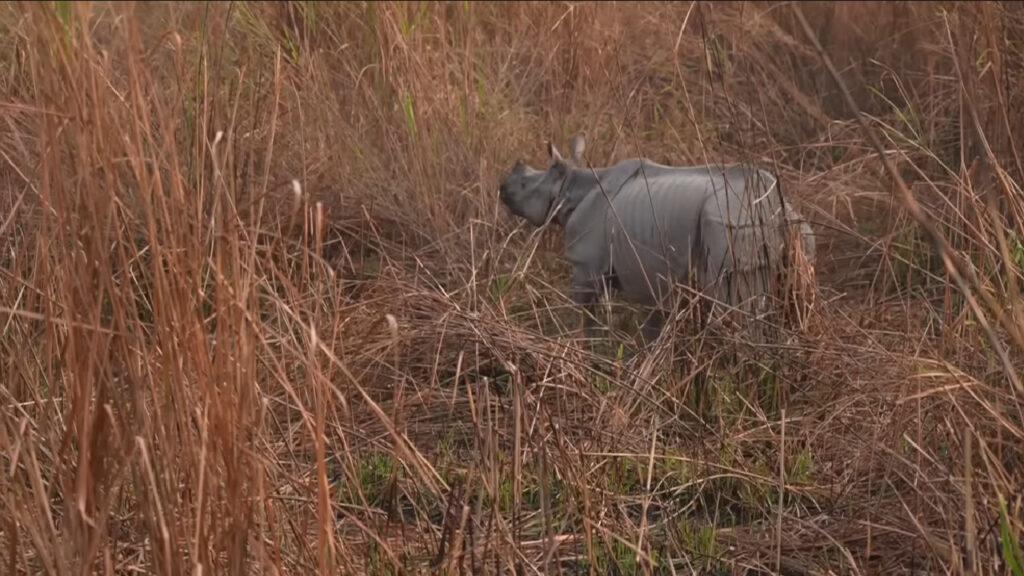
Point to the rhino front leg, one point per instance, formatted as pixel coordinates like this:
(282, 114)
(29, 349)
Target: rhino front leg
(585, 293)
(586, 298)
(652, 326)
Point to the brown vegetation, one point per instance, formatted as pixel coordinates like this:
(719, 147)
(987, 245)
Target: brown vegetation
(261, 311)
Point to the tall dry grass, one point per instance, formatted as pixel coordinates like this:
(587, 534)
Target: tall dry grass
(262, 312)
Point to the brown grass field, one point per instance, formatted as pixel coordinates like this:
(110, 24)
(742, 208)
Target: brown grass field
(261, 311)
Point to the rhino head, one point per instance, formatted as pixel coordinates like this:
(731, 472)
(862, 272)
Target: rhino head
(530, 193)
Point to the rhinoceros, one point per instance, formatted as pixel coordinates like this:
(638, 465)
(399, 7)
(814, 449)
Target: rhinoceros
(640, 228)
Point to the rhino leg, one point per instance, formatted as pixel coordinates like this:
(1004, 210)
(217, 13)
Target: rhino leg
(585, 294)
(652, 326)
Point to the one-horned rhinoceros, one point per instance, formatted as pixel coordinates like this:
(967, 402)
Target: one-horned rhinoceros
(641, 227)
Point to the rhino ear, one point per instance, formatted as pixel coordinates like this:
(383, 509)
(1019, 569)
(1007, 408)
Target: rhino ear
(555, 156)
(578, 145)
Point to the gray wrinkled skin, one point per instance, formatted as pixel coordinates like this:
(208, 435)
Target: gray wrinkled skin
(642, 227)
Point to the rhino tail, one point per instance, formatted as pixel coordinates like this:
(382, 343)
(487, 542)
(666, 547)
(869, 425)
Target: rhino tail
(805, 234)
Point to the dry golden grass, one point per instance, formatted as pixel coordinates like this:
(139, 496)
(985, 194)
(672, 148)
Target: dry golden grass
(263, 313)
